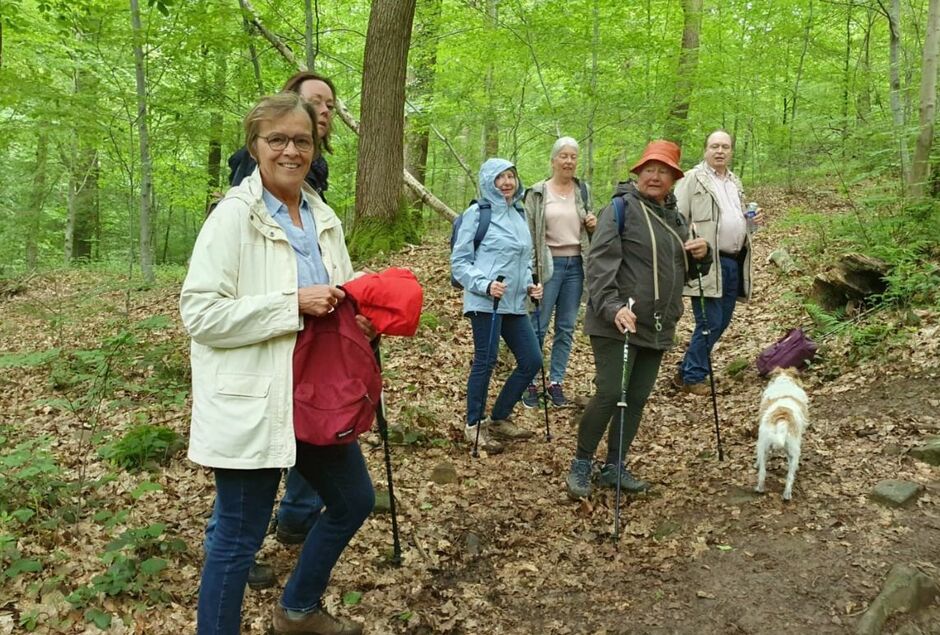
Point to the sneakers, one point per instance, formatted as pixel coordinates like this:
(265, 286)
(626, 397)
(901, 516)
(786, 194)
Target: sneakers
(484, 442)
(699, 388)
(556, 394)
(578, 482)
(530, 398)
(608, 478)
(317, 623)
(506, 429)
(260, 576)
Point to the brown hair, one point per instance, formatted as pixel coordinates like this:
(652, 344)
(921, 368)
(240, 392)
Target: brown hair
(295, 81)
(274, 107)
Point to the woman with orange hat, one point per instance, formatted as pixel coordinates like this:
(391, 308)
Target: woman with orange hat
(641, 257)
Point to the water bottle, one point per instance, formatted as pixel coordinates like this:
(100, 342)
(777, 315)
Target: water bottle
(750, 217)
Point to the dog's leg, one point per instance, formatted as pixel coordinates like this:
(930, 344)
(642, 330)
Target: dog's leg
(762, 451)
(793, 461)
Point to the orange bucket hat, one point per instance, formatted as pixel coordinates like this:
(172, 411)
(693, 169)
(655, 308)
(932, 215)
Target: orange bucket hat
(663, 151)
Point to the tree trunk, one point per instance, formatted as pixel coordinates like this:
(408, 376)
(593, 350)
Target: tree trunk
(897, 109)
(421, 92)
(677, 121)
(81, 228)
(863, 92)
(846, 77)
(311, 32)
(216, 123)
(592, 94)
(36, 201)
(491, 125)
(807, 30)
(928, 103)
(146, 169)
(381, 160)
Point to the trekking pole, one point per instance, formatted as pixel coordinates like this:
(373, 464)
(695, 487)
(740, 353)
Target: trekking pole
(538, 325)
(708, 356)
(622, 404)
(383, 431)
(489, 345)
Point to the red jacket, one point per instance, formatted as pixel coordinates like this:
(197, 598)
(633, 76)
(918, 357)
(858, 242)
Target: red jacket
(391, 299)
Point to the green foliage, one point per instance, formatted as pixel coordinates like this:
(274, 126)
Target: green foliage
(135, 561)
(141, 445)
(30, 479)
(30, 359)
(429, 321)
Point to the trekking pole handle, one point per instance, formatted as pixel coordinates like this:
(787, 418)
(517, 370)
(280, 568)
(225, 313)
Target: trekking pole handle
(499, 278)
(535, 281)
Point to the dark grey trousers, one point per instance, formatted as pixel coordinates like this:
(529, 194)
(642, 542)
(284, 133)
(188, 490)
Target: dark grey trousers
(602, 411)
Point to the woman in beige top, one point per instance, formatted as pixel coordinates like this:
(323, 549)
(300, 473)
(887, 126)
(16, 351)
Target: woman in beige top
(560, 219)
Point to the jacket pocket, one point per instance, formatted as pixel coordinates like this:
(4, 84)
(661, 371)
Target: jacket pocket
(243, 385)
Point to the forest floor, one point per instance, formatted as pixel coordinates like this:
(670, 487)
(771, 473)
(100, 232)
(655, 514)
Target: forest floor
(503, 550)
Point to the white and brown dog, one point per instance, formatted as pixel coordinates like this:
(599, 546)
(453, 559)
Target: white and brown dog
(784, 414)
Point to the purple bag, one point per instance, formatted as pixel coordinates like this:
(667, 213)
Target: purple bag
(794, 350)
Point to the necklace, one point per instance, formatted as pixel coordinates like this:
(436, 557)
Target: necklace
(556, 192)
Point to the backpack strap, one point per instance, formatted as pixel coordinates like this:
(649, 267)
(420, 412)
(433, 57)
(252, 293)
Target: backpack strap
(582, 186)
(486, 212)
(620, 211)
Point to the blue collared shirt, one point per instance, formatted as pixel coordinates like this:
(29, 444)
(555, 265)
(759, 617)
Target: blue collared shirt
(310, 268)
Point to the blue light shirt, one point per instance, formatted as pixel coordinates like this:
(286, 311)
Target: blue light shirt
(310, 268)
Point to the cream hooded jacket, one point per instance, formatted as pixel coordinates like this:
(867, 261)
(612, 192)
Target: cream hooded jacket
(239, 305)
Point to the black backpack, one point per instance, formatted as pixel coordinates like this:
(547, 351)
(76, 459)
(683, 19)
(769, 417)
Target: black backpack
(486, 212)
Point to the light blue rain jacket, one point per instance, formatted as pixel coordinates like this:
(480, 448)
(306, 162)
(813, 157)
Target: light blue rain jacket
(506, 249)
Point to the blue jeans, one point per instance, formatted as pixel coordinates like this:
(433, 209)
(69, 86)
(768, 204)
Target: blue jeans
(244, 500)
(517, 332)
(694, 367)
(562, 294)
(299, 509)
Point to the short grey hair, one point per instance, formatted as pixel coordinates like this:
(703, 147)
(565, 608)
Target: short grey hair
(564, 142)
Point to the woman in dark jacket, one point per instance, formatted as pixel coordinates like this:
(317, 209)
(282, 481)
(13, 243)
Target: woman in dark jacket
(641, 252)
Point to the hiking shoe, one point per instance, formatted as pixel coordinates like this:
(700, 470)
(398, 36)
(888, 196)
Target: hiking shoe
(506, 429)
(261, 576)
(484, 442)
(289, 535)
(608, 478)
(578, 481)
(317, 623)
(556, 394)
(530, 398)
(699, 388)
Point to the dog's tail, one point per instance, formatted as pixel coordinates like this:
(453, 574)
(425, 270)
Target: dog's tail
(780, 424)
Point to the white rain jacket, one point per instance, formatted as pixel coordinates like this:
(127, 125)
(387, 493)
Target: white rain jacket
(239, 305)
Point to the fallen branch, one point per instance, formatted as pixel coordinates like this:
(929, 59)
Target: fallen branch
(423, 193)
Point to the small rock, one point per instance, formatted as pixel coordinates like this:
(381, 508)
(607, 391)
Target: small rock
(929, 452)
(894, 493)
(782, 259)
(444, 473)
(472, 543)
(383, 504)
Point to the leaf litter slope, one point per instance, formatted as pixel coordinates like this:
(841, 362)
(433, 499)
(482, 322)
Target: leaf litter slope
(503, 550)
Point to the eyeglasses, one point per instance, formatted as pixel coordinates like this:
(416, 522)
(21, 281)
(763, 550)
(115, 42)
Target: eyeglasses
(278, 141)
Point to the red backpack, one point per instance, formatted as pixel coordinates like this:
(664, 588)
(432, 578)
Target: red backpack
(337, 382)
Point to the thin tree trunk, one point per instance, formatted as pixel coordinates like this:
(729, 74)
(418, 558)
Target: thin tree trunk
(381, 147)
(146, 169)
(863, 92)
(592, 91)
(897, 109)
(677, 121)
(846, 78)
(920, 169)
(216, 123)
(807, 30)
(253, 52)
(311, 32)
(36, 201)
(421, 91)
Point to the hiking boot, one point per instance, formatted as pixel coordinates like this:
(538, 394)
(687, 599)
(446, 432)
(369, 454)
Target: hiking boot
(506, 429)
(699, 388)
(261, 576)
(530, 398)
(317, 623)
(578, 481)
(608, 478)
(556, 394)
(484, 442)
(289, 535)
